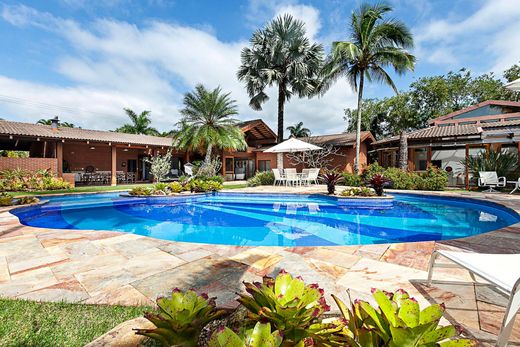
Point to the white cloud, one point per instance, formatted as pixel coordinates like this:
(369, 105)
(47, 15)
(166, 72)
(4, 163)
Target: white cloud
(491, 30)
(113, 64)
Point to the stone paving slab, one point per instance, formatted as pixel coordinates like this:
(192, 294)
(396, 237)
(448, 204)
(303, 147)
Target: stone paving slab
(104, 267)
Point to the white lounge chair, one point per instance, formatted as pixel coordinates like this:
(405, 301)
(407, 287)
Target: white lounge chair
(278, 177)
(491, 180)
(501, 270)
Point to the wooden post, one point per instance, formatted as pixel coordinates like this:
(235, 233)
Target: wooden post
(429, 157)
(59, 157)
(113, 173)
(411, 155)
(466, 169)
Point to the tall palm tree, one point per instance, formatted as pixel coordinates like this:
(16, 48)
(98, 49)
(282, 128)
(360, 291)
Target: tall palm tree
(207, 122)
(44, 121)
(281, 55)
(298, 130)
(140, 124)
(375, 44)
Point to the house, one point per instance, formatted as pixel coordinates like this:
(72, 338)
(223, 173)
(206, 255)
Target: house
(452, 138)
(72, 152)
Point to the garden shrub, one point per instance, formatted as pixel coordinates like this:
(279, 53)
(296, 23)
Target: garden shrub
(215, 178)
(176, 187)
(160, 188)
(6, 200)
(200, 186)
(355, 191)
(140, 191)
(265, 178)
(285, 311)
(24, 180)
(432, 179)
(400, 179)
(373, 169)
(352, 180)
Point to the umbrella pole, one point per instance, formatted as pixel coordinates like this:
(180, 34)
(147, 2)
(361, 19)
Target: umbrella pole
(279, 160)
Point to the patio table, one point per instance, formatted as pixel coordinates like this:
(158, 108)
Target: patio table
(516, 184)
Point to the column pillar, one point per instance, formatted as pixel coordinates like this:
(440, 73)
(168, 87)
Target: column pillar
(466, 169)
(59, 157)
(113, 173)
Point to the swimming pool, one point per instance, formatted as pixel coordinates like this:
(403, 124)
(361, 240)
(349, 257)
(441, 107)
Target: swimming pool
(273, 219)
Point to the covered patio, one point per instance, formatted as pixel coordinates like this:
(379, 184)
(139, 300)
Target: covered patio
(84, 157)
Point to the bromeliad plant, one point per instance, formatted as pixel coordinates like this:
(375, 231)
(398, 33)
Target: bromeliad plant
(259, 336)
(181, 318)
(291, 306)
(378, 182)
(331, 179)
(397, 321)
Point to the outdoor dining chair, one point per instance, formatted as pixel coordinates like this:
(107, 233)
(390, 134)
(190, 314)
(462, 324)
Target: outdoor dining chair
(500, 270)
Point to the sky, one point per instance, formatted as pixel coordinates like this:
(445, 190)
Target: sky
(85, 60)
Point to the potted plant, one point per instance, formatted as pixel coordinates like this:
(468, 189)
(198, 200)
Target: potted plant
(378, 182)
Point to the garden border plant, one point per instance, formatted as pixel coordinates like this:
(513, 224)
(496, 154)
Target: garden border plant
(285, 311)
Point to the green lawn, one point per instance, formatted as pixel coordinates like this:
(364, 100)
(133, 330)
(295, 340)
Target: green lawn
(29, 323)
(235, 186)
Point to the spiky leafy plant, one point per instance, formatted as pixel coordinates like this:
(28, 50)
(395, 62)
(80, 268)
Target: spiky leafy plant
(259, 336)
(331, 178)
(291, 306)
(181, 318)
(378, 182)
(397, 321)
(493, 160)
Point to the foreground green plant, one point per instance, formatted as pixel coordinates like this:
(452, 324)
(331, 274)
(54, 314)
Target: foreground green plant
(265, 178)
(361, 191)
(291, 306)
(181, 318)
(259, 336)
(141, 191)
(24, 180)
(398, 321)
(493, 160)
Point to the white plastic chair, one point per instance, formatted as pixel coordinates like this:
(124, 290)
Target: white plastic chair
(313, 175)
(278, 177)
(491, 180)
(501, 270)
(292, 177)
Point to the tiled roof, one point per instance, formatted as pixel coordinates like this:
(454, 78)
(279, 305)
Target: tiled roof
(343, 139)
(47, 132)
(452, 130)
(474, 107)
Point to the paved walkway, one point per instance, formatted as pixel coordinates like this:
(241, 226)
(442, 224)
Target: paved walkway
(117, 268)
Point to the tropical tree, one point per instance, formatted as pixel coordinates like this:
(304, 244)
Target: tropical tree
(375, 44)
(298, 130)
(44, 121)
(140, 123)
(280, 55)
(207, 122)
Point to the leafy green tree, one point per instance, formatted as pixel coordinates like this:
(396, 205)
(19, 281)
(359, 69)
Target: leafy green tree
(373, 118)
(298, 130)
(44, 121)
(513, 73)
(140, 124)
(375, 44)
(207, 122)
(280, 55)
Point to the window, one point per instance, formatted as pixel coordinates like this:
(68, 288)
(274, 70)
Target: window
(420, 159)
(229, 164)
(264, 165)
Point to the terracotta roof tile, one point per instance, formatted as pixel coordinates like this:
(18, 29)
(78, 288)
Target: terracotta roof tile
(343, 139)
(47, 132)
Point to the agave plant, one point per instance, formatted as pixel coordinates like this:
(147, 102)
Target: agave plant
(291, 306)
(331, 178)
(378, 182)
(397, 321)
(259, 336)
(181, 318)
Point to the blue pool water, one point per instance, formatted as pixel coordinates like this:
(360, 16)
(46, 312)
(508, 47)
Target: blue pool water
(273, 219)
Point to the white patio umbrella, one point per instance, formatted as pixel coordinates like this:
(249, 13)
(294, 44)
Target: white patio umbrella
(514, 86)
(290, 146)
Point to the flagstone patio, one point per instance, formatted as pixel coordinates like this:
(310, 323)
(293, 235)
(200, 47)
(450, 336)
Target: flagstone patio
(104, 267)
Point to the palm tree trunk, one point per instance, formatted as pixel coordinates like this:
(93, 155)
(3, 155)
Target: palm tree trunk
(403, 150)
(358, 126)
(207, 158)
(281, 103)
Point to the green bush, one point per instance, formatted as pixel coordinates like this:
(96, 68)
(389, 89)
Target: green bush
(352, 180)
(434, 179)
(160, 188)
(401, 179)
(6, 200)
(215, 178)
(265, 178)
(140, 191)
(176, 187)
(200, 186)
(24, 200)
(24, 180)
(361, 191)
(372, 170)
(285, 311)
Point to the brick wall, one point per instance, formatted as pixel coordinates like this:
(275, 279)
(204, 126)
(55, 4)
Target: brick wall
(31, 164)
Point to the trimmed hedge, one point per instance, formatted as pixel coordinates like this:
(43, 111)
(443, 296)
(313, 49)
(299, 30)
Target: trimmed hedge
(431, 179)
(265, 178)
